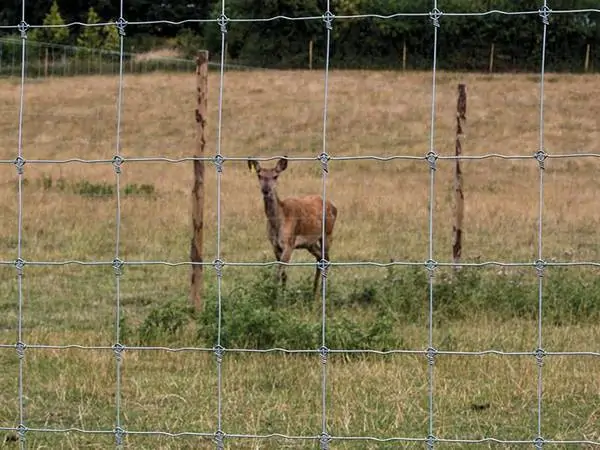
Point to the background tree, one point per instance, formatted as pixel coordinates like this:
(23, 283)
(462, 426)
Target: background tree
(58, 35)
(91, 36)
(112, 40)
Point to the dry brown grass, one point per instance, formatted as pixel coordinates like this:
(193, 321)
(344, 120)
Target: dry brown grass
(383, 214)
(275, 113)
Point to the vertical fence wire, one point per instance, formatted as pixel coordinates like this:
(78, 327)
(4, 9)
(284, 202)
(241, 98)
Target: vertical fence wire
(435, 16)
(19, 163)
(218, 264)
(540, 156)
(117, 264)
(324, 158)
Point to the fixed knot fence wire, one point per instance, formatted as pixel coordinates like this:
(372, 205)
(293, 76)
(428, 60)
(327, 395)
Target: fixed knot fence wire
(325, 437)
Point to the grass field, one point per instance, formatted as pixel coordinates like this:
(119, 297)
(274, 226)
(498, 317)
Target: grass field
(69, 213)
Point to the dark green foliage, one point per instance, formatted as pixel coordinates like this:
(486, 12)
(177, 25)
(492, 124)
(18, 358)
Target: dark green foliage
(254, 316)
(165, 322)
(372, 314)
(464, 43)
(378, 314)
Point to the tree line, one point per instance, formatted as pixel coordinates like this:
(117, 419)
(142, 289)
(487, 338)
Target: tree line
(508, 42)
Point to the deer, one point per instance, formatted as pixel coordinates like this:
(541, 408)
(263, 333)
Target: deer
(294, 222)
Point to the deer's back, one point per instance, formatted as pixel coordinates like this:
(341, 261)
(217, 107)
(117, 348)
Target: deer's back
(307, 214)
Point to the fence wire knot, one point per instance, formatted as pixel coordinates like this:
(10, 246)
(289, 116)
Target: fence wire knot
(117, 266)
(541, 156)
(118, 350)
(119, 434)
(431, 354)
(21, 430)
(19, 265)
(324, 158)
(20, 349)
(539, 442)
(219, 437)
(540, 265)
(324, 440)
(23, 27)
(222, 21)
(218, 265)
(539, 354)
(431, 441)
(117, 161)
(324, 352)
(218, 162)
(328, 19)
(19, 164)
(545, 12)
(435, 16)
(431, 158)
(219, 351)
(431, 265)
(323, 266)
(121, 23)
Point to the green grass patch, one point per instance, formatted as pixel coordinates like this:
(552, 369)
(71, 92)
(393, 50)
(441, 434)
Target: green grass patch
(87, 188)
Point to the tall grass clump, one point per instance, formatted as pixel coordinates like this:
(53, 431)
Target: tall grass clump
(370, 313)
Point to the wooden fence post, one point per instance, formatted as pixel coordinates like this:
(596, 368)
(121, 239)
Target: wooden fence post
(457, 231)
(197, 279)
(586, 63)
(46, 63)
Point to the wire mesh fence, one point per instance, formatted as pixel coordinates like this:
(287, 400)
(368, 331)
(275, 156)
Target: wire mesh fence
(322, 436)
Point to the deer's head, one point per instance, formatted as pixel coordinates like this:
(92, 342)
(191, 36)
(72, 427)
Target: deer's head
(267, 177)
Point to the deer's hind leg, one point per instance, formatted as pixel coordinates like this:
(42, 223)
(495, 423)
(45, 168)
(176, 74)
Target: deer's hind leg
(315, 250)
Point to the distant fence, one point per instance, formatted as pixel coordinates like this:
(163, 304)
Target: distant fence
(55, 60)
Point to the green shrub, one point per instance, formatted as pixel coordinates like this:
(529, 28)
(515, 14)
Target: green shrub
(259, 315)
(93, 189)
(139, 189)
(165, 322)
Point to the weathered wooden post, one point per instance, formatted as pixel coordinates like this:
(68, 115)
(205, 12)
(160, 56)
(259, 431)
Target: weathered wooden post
(459, 198)
(197, 279)
(586, 63)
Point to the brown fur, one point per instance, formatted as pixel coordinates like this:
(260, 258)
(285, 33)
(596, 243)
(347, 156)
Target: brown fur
(295, 222)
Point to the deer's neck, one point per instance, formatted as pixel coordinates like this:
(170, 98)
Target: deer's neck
(273, 210)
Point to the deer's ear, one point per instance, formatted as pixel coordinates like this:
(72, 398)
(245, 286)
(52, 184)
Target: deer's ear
(282, 164)
(253, 165)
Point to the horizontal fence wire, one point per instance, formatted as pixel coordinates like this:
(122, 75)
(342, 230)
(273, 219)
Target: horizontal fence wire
(219, 162)
(398, 15)
(143, 348)
(119, 161)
